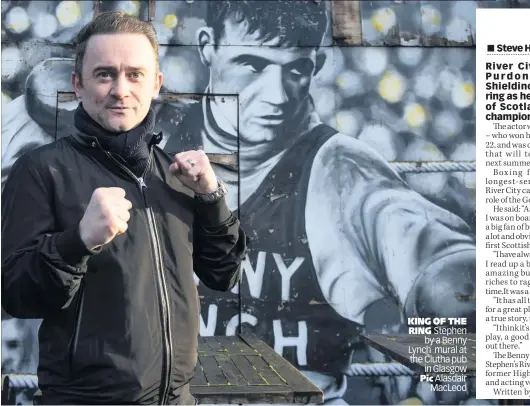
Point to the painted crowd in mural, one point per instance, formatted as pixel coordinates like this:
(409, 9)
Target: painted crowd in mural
(340, 241)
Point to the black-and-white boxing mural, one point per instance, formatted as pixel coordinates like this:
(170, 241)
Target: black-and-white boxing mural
(341, 239)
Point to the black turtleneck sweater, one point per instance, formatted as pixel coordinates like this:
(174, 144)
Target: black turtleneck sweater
(131, 147)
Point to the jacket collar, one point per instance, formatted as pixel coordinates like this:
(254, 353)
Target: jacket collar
(85, 139)
(90, 141)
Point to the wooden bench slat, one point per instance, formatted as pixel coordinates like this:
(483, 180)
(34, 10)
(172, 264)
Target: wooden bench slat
(199, 377)
(230, 371)
(269, 375)
(303, 389)
(250, 374)
(235, 346)
(213, 344)
(203, 347)
(212, 371)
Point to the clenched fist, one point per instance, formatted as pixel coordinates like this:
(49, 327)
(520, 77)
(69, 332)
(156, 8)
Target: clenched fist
(105, 217)
(194, 170)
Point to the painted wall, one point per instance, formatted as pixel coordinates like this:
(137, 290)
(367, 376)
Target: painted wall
(313, 279)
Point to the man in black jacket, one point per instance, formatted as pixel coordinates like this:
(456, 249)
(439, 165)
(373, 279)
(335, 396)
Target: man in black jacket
(103, 231)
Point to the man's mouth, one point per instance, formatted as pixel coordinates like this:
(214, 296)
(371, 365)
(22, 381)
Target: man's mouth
(119, 110)
(271, 119)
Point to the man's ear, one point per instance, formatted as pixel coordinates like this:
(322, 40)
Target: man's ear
(158, 85)
(205, 39)
(320, 60)
(76, 84)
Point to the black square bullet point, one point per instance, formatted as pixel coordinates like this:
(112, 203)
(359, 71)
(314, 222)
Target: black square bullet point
(491, 48)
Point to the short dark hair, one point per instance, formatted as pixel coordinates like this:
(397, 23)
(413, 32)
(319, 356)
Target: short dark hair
(111, 22)
(289, 20)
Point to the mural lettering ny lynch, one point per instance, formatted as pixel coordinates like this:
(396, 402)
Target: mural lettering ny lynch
(255, 275)
(341, 239)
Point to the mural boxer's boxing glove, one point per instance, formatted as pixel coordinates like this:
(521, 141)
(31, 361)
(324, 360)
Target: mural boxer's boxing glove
(45, 80)
(29, 120)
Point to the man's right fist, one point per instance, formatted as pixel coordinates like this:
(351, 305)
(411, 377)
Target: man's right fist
(105, 217)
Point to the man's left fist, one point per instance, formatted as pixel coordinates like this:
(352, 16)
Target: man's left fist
(193, 169)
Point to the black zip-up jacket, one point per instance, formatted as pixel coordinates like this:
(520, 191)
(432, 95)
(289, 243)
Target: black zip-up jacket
(120, 325)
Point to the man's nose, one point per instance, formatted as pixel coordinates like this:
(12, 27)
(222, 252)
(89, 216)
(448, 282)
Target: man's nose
(274, 89)
(120, 88)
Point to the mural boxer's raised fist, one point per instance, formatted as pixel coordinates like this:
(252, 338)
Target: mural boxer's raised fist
(105, 217)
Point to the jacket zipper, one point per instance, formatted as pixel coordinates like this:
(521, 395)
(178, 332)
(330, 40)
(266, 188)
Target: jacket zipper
(164, 301)
(72, 346)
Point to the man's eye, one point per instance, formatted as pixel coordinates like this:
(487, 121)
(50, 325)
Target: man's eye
(136, 75)
(104, 75)
(301, 69)
(255, 67)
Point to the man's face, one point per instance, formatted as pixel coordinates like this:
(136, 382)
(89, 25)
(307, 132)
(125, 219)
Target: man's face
(119, 80)
(12, 346)
(271, 81)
